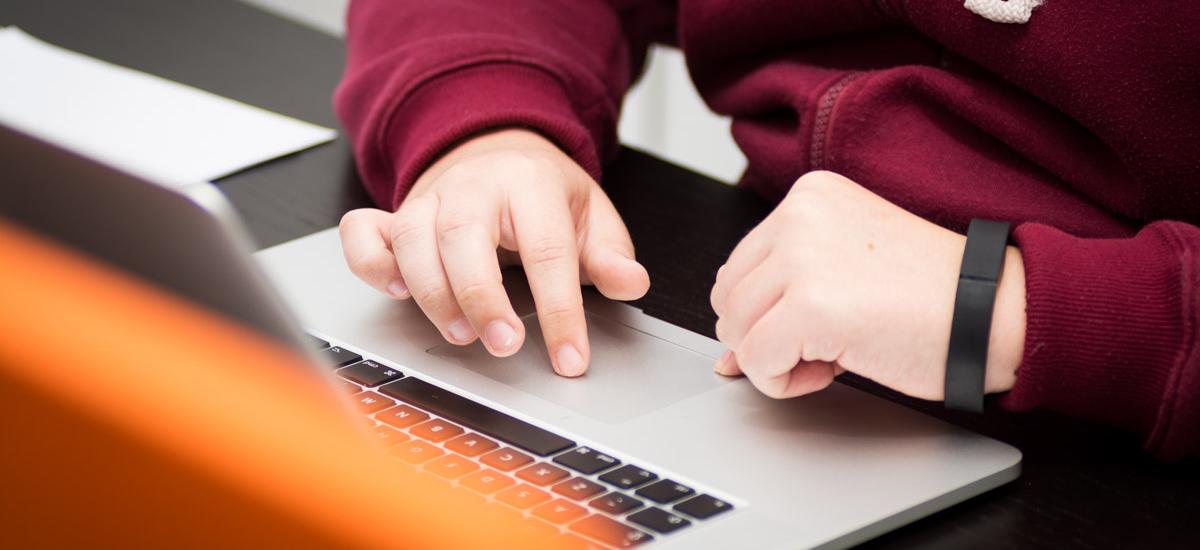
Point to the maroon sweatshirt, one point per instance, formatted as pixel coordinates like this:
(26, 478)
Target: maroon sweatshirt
(1081, 126)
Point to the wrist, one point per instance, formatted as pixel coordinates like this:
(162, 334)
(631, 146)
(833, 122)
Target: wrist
(1006, 343)
(513, 138)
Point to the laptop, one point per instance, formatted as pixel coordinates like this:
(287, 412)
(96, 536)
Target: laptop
(650, 447)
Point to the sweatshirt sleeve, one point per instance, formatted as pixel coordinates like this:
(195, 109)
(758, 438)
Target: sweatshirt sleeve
(422, 76)
(1112, 331)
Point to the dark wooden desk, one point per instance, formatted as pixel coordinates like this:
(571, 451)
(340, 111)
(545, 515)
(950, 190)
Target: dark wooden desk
(1083, 485)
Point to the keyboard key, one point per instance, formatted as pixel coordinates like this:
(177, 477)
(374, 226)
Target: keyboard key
(615, 503)
(369, 373)
(370, 402)
(317, 343)
(523, 496)
(487, 481)
(402, 416)
(559, 511)
(628, 477)
(610, 532)
(578, 488)
(542, 474)
(390, 436)
(436, 430)
(351, 388)
(476, 416)
(471, 444)
(451, 466)
(702, 507)
(506, 459)
(339, 357)
(665, 491)
(416, 451)
(658, 520)
(586, 461)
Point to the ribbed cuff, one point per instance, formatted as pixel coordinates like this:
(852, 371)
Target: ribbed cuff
(1103, 332)
(453, 106)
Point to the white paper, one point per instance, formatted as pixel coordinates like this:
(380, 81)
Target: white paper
(149, 126)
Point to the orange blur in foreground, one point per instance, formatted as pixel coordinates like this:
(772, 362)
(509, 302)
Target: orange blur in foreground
(131, 418)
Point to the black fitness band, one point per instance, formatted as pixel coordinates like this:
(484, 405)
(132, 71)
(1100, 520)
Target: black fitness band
(983, 261)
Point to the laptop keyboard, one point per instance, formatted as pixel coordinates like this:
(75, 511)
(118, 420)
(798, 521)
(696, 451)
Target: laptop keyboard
(591, 497)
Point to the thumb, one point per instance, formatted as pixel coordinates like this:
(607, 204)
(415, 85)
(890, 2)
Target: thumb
(607, 255)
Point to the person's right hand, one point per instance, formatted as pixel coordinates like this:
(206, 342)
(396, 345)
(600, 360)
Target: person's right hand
(502, 192)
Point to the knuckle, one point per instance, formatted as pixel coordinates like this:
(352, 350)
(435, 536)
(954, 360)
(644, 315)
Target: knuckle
(559, 313)
(369, 264)
(714, 300)
(455, 226)
(722, 330)
(767, 386)
(433, 295)
(352, 217)
(748, 360)
(477, 293)
(549, 251)
(405, 229)
(810, 300)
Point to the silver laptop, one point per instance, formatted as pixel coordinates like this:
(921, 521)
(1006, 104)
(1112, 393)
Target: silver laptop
(649, 447)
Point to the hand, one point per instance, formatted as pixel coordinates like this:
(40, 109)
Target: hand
(837, 278)
(514, 190)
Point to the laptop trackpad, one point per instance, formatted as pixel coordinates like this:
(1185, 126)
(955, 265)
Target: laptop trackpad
(632, 373)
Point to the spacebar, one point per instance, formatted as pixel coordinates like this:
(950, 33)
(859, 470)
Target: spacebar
(478, 417)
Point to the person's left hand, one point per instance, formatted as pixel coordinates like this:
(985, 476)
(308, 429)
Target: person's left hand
(837, 278)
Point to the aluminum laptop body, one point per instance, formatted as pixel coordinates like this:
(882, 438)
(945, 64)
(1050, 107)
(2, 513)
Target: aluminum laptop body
(826, 470)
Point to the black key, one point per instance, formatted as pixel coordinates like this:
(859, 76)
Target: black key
(317, 343)
(615, 503)
(586, 461)
(369, 373)
(703, 506)
(340, 357)
(658, 520)
(478, 417)
(628, 477)
(578, 488)
(665, 491)
(610, 532)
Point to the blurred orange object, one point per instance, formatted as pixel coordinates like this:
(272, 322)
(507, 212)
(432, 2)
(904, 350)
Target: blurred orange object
(132, 418)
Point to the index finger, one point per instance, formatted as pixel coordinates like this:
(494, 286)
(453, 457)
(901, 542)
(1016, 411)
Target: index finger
(368, 251)
(546, 240)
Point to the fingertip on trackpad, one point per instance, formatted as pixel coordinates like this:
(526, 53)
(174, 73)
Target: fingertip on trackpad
(631, 372)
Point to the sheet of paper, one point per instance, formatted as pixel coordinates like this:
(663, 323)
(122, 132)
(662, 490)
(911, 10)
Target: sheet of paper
(161, 130)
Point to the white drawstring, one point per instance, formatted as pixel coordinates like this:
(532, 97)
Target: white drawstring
(1003, 11)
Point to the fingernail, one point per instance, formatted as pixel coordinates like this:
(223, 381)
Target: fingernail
(397, 289)
(460, 331)
(500, 336)
(723, 361)
(569, 362)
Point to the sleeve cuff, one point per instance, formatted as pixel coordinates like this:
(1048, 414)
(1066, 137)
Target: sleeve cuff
(456, 105)
(1103, 332)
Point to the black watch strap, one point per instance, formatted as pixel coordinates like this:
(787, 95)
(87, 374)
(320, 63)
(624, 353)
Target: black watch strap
(966, 364)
